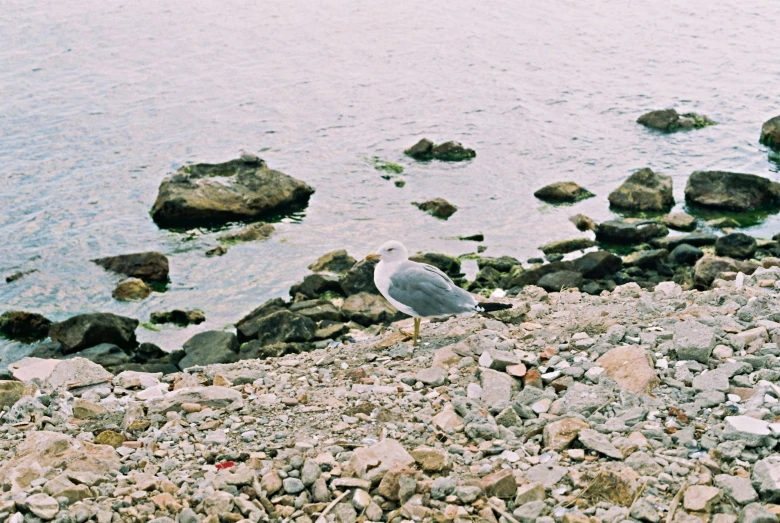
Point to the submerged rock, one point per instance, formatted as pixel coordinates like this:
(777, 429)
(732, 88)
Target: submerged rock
(770, 133)
(668, 120)
(447, 152)
(582, 222)
(86, 330)
(178, 317)
(256, 231)
(644, 190)
(204, 194)
(565, 246)
(732, 191)
(438, 207)
(149, 266)
(24, 326)
(563, 192)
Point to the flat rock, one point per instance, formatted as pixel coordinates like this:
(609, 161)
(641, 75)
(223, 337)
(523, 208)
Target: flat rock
(732, 191)
(496, 388)
(210, 347)
(337, 261)
(563, 192)
(753, 432)
(680, 221)
(432, 376)
(616, 483)
(254, 232)
(566, 246)
(60, 374)
(43, 506)
(598, 442)
(211, 396)
(547, 474)
(627, 232)
(205, 194)
(631, 367)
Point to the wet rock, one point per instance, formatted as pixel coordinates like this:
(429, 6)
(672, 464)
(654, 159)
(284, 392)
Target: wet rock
(770, 133)
(766, 479)
(731, 191)
(644, 190)
(106, 355)
(335, 261)
(24, 326)
(565, 246)
(736, 245)
(217, 250)
(368, 309)
(582, 222)
(598, 264)
(631, 367)
(448, 151)
(131, 289)
(668, 120)
(360, 278)
(210, 347)
(86, 330)
(710, 267)
(697, 239)
(558, 435)
(629, 232)
(149, 266)
(685, 254)
(178, 317)
(701, 498)
(40, 451)
(725, 222)
(693, 341)
(314, 285)
(254, 232)
(558, 281)
(10, 392)
(563, 192)
(680, 221)
(438, 207)
(203, 194)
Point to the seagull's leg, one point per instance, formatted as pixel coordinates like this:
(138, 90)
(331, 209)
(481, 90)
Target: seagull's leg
(416, 331)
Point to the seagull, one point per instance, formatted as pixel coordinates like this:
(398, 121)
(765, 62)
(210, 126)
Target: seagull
(421, 290)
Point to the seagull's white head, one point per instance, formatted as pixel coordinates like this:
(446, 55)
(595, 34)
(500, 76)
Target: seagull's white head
(390, 252)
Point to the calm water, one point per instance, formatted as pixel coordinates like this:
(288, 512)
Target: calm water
(99, 100)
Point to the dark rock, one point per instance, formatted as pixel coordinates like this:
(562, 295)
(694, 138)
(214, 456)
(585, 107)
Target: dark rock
(330, 330)
(519, 277)
(502, 264)
(488, 278)
(448, 151)
(313, 285)
(563, 192)
(554, 257)
(770, 133)
(178, 317)
(248, 327)
(256, 231)
(87, 330)
(732, 191)
(582, 222)
(593, 288)
(253, 350)
(210, 347)
(680, 221)
(725, 222)
(438, 207)
(649, 259)
(736, 245)
(697, 239)
(644, 190)
(596, 265)
(360, 278)
(147, 266)
(317, 310)
(335, 261)
(204, 194)
(284, 326)
(668, 120)
(369, 309)
(557, 281)
(449, 265)
(24, 326)
(151, 367)
(105, 355)
(479, 237)
(18, 275)
(629, 232)
(149, 351)
(131, 289)
(564, 246)
(685, 254)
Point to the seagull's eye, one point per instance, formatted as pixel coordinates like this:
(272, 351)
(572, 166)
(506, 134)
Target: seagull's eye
(391, 249)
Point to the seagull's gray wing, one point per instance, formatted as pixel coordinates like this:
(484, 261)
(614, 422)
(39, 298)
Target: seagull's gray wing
(428, 291)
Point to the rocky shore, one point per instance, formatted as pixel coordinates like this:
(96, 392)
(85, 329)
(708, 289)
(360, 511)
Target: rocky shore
(634, 405)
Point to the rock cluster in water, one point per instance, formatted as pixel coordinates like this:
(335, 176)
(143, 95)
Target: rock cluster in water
(446, 152)
(635, 405)
(668, 120)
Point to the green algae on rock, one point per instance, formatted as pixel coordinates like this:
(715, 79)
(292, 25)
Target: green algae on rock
(447, 152)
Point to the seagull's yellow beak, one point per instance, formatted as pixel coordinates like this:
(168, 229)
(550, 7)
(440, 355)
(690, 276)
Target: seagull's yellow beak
(372, 257)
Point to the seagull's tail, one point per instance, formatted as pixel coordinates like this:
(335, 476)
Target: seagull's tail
(493, 306)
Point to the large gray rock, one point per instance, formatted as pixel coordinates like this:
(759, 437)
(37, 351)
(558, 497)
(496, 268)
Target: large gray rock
(360, 278)
(60, 374)
(627, 232)
(766, 479)
(146, 266)
(732, 191)
(693, 341)
(284, 326)
(736, 488)
(644, 190)
(748, 430)
(597, 264)
(736, 245)
(496, 388)
(204, 194)
(210, 347)
(757, 513)
(249, 326)
(87, 330)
